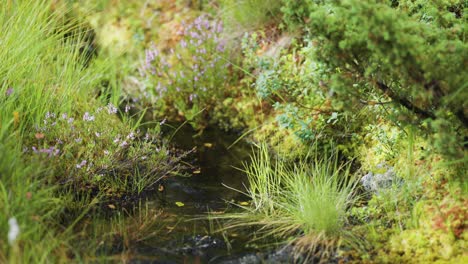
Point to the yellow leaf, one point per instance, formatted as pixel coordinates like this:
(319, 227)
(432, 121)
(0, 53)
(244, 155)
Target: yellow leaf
(180, 204)
(197, 172)
(208, 145)
(244, 203)
(111, 206)
(16, 118)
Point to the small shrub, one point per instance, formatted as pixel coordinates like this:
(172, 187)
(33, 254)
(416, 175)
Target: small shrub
(98, 156)
(192, 76)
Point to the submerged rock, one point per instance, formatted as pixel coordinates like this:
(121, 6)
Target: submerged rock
(196, 245)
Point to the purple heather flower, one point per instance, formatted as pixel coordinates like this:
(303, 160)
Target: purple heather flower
(64, 116)
(123, 144)
(97, 134)
(111, 109)
(219, 27)
(163, 122)
(194, 35)
(127, 108)
(9, 91)
(183, 44)
(106, 152)
(131, 136)
(88, 117)
(48, 115)
(82, 164)
(70, 120)
(206, 23)
(220, 47)
(192, 96)
(52, 151)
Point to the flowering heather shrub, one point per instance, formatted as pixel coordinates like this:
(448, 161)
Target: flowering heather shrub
(98, 152)
(193, 75)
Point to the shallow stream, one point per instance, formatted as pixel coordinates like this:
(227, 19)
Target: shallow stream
(215, 164)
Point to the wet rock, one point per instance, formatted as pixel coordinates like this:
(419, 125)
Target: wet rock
(281, 255)
(180, 187)
(375, 183)
(251, 258)
(196, 245)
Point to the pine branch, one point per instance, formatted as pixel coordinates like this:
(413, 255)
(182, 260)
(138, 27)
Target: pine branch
(405, 102)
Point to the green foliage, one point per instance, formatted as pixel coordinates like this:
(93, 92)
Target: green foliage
(302, 102)
(295, 13)
(410, 55)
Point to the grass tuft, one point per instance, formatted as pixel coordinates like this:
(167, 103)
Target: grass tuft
(305, 203)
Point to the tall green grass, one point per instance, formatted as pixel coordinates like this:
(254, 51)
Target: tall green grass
(24, 196)
(41, 71)
(41, 66)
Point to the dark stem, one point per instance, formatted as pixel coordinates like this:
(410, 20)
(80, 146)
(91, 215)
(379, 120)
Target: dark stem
(405, 102)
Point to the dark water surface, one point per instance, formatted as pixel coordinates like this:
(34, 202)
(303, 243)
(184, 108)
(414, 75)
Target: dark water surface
(184, 199)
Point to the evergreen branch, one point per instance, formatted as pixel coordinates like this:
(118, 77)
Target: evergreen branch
(405, 102)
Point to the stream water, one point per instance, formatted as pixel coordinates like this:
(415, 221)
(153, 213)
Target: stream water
(215, 165)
